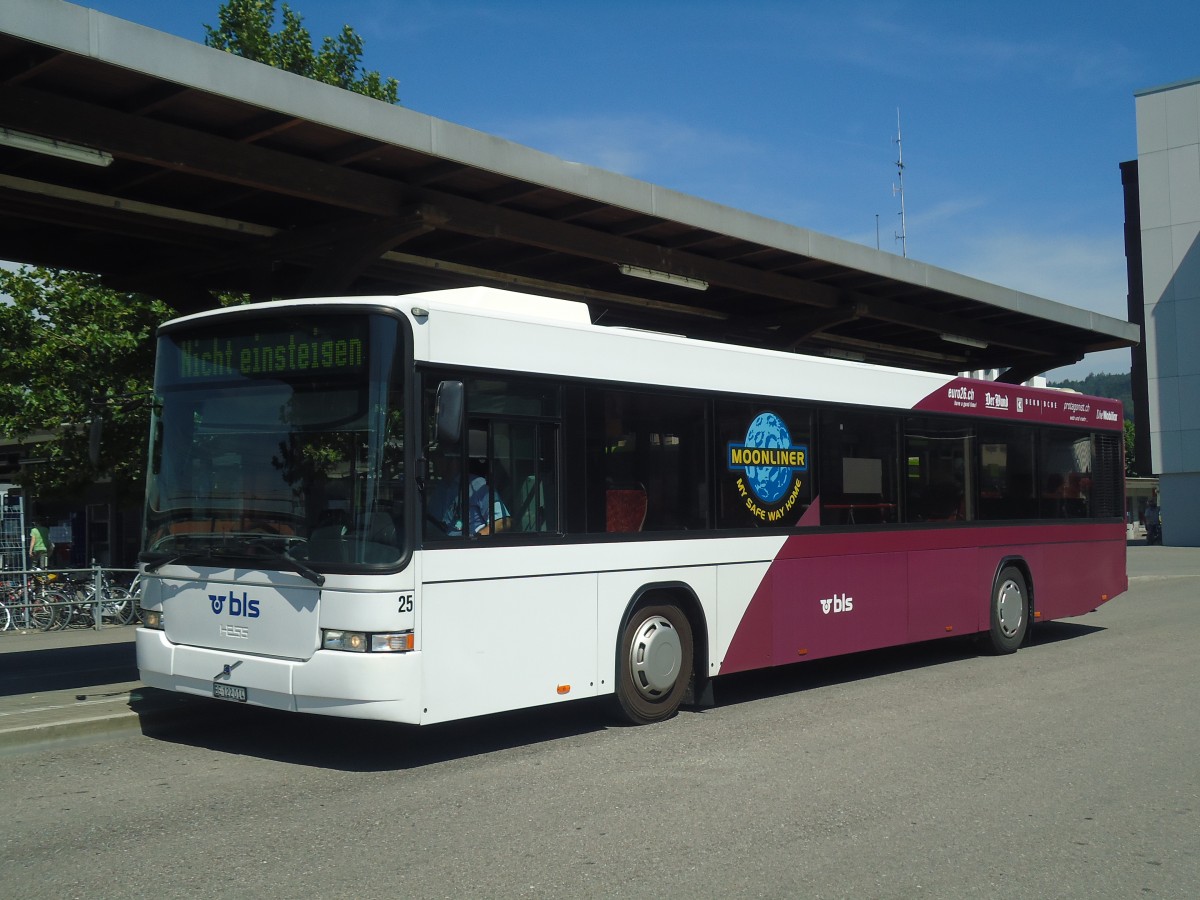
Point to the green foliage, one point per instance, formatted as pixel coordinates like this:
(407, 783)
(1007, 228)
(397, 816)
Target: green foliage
(1130, 457)
(245, 28)
(73, 347)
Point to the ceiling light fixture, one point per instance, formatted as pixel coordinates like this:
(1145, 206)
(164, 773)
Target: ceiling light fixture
(665, 277)
(965, 341)
(50, 147)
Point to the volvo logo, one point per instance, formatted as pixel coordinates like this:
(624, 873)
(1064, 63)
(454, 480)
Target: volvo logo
(227, 670)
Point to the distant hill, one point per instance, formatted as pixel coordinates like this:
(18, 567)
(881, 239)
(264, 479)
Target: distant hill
(1115, 387)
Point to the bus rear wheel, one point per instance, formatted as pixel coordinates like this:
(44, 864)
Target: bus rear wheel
(654, 664)
(1009, 611)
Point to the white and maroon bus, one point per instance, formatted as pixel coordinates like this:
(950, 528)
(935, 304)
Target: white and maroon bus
(441, 505)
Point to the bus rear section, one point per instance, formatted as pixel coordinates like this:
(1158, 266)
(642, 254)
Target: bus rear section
(829, 595)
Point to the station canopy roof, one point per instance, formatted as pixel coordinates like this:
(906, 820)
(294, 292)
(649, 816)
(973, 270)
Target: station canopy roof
(177, 170)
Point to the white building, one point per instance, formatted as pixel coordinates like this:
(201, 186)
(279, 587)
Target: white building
(1168, 175)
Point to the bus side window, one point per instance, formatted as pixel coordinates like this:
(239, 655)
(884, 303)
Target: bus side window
(1007, 482)
(939, 477)
(1065, 461)
(510, 449)
(649, 443)
(525, 465)
(858, 474)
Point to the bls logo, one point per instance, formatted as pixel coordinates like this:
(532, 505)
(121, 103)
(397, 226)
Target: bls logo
(837, 603)
(238, 606)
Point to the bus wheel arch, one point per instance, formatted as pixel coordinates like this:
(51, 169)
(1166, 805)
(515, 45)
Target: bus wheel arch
(1010, 607)
(661, 653)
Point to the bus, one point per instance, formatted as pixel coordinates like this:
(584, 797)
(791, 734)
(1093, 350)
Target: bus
(441, 505)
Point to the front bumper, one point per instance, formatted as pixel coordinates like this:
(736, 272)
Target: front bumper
(385, 686)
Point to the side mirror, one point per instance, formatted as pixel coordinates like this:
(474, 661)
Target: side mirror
(448, 410)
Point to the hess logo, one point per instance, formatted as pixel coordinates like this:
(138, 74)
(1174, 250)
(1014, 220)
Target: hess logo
(238, 606)
(838, 603)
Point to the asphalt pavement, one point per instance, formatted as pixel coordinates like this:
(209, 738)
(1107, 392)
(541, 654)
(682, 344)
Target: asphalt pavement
(69, 685)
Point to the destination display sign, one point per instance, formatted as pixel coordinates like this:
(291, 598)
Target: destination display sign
(325, 348)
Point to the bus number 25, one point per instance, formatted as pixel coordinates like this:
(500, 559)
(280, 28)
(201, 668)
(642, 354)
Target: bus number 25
(406, 603)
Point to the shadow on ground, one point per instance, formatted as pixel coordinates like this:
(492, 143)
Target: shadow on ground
(358, 746)
(66, 668)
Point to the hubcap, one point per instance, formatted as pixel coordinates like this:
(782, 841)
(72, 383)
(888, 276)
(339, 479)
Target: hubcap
(1009, 608)
(655, 657)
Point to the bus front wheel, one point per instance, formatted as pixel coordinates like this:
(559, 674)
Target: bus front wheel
(654, 664)
(1009, 611)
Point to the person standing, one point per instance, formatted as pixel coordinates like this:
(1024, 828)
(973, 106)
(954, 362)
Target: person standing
(40, 545)
(1153, 523)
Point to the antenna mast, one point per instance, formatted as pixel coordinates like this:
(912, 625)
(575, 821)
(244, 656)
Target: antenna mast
(902, 234)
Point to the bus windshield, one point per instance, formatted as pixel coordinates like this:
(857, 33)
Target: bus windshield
(280, 441)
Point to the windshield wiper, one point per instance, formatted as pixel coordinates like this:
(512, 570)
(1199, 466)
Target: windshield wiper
(298, 567)
(156, 559)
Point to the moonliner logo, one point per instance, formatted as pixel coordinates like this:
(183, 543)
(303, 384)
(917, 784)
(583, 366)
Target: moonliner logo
(769, 461)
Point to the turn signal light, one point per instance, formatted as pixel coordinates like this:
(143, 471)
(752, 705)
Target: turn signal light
(400, 642)
(564, 689)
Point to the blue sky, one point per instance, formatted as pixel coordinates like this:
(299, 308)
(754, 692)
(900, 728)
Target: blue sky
(1015, 116)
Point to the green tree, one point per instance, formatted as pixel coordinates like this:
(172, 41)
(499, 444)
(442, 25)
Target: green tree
(74, 349)
(1130, 456)
(246, 28)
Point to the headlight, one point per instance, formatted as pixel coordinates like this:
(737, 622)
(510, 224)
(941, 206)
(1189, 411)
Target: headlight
(152, 618)
(354, 641)
(361, 642)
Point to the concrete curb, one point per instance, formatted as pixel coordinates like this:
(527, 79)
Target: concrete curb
(139, 709)
(67, 729)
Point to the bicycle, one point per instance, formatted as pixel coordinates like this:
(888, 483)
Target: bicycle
(135, 594)
(29, 604)
(79, 611)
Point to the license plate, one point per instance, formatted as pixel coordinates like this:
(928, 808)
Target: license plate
(224, 691)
